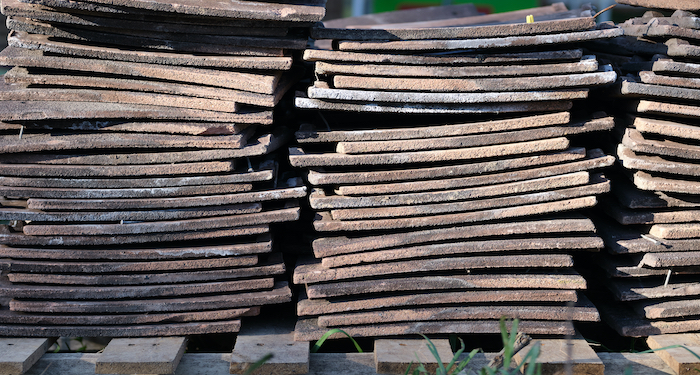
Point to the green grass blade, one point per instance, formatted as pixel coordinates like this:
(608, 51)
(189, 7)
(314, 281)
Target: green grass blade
(328, 334)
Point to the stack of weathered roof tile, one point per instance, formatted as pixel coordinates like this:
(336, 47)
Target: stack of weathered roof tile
(464, 210)
(137, 165)
(653, 241)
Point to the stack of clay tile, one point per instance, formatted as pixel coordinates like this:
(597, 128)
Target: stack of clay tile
(456, 201)
(653, 239)
(137, 170)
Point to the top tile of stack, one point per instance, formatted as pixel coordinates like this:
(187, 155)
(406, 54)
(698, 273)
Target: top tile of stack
(549, 20)
(308, 11)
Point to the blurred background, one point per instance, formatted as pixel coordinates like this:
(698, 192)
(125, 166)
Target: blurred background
(350, 8)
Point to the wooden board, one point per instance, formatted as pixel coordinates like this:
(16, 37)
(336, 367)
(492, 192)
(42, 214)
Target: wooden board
(259, 337)
(559, 355)
(679, 359)
(20, 354)
(397, 356)
(159, 355)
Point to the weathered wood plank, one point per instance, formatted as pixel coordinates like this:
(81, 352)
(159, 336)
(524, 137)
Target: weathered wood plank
(556, 355)
(158, 355)
(18, 355)
(258, 338)
(397, 356)
(679, 359)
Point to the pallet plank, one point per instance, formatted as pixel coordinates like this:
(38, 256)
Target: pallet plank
(557, 354)
(679, 359)
(157, 355)
(396, 356)
(259, 338)
(18, 355)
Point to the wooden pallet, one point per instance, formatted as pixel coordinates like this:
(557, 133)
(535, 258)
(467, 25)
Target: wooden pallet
(164, 356)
